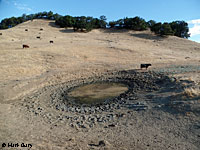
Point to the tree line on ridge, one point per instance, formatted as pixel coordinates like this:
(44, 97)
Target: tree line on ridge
(86, 24)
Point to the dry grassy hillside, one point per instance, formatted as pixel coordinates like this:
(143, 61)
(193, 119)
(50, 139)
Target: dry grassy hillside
(71, 56)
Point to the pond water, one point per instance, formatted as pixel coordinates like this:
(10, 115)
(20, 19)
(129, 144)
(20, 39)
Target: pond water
(97, 93)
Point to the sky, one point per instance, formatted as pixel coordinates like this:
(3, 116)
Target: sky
(158, 10)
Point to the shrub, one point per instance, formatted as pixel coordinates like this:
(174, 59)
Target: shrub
(166, 29)
(180, 29)
(136, 23)
(151, 23)
(156, 28)
(112, 24)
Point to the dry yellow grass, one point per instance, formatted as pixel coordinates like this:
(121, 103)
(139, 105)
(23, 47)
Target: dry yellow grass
(191, 92)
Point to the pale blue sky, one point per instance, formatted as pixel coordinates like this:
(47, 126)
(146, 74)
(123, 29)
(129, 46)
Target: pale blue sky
(158, 10)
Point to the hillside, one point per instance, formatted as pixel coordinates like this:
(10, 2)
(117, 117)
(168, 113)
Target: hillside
(76, 55)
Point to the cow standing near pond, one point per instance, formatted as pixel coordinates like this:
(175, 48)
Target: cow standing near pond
(145, 66)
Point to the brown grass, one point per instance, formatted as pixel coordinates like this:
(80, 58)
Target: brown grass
(191, 92)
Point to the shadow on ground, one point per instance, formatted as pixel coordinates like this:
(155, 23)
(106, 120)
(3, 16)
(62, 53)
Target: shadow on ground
(67, 31)
(147, 36)
(171, 100)
(108, 30)
(52, 24)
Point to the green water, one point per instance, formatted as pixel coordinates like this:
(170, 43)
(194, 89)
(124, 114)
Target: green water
(97, 93)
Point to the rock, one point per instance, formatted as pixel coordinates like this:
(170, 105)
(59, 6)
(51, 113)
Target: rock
(72, 109)
(119, 115)
(138, 106)
(82, 126)
(173, 79)
(103, 119)
(82, 110)
(111, 125)
(97, 109)
(57, 107)
(91, 125)
(72, 125)
(117, 106)
(122, 99)
(99, 119)
(93, 110)
(158, 106)
(102, 143)
(87, 109)
(83, 117)
(75, 118)
(66, 117)
(131, 98)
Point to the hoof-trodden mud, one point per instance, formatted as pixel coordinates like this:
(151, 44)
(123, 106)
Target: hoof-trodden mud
(146, 114)
(54, 105)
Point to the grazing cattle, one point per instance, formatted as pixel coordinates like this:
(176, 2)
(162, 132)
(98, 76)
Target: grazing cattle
(38, 37)
(145, 66)
(41, 29)
(26, 29)
(25, 46)
(0, 33)
(50, 41)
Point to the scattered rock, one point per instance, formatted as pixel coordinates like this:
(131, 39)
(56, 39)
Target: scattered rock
(85, 116)
(101, 144)
(138, 106)
(111, 125)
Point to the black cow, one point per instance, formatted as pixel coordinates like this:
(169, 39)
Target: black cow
(0, 33)
(145, 66)
(25, 46)
(50, 41)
